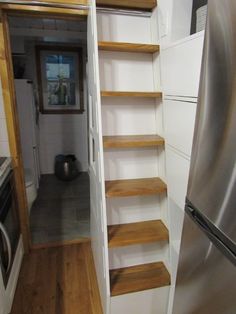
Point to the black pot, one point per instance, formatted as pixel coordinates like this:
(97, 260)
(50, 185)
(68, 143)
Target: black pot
(66, 167)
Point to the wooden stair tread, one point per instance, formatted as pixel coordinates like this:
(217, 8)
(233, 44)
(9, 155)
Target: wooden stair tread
(131, 94)
(127, 47)
(123, 141)
(134, 187)
(137, 233)
(138, 278)
(146, 5)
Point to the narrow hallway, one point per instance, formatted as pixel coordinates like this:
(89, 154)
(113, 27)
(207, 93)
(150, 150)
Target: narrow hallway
(61, 211)
(71, 289)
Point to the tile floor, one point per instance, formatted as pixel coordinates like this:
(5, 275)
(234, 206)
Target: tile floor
(61, 211)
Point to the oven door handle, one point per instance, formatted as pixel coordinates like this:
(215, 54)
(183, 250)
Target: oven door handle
(4, 232)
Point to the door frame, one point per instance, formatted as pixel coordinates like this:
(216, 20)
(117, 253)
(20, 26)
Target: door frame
(53, 9)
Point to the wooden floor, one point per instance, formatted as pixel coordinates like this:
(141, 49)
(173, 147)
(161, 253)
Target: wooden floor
(58, 280)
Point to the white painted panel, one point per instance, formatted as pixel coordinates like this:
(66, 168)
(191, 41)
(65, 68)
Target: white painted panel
(179, 120)
(4, 149)
(63, 134)
(126, 71)
(2, 296)
(152, 301)
(181, 65)
(177, 176)
(2, 112)
(12, 281)
(3, 130)
(4, 145)
(97, 188)
(182, 16)
(124, 116)
(131, 163)
(133, 209)
(176, 225)
(138, 254)
(124, 28)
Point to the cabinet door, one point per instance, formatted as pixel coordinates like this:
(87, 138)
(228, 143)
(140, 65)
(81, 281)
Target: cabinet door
(181, 65)
(179, 120)
(2, 296)
(177, 176)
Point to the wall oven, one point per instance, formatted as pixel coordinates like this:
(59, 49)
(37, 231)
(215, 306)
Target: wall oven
(9, 221)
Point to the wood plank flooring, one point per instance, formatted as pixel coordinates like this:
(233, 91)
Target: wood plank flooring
(58, 280)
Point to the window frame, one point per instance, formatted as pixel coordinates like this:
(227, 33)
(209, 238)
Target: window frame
(42, 76)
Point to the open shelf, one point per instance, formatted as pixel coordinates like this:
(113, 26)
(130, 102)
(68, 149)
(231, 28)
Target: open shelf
(137, 233)
(135, 187)
(127, 47)
(132, 141)
(131, 94)
(138, 278)
(131, 4)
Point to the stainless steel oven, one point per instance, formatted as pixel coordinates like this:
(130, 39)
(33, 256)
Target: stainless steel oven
(9, 223)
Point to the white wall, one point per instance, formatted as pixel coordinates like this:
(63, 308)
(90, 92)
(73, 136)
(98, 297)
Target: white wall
(60, 133)
(4, 146)
(63, 134)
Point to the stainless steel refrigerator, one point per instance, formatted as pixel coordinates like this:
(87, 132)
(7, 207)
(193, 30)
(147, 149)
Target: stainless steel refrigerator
(206, 276)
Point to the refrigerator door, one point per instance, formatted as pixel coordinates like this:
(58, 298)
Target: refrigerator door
(212, 181)
(206, 279)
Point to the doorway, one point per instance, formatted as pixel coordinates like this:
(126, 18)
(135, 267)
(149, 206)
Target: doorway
(58, 213)
(48, 56)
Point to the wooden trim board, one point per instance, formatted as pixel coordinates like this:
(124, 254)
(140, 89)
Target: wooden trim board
(9, 98)
(131, 4)
(130, 141)
(40, 11)
(131, 94)
(137, 233)
(127, 47)
(135, 187)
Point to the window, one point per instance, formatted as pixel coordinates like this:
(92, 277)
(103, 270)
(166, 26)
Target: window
(60, 79)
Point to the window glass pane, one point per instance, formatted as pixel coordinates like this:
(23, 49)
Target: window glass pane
(61, 93)
(60, 66)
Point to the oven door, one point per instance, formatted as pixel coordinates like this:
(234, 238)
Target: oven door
(9, 226)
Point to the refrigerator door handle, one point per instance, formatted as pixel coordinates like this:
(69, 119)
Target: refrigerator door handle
(202, 223)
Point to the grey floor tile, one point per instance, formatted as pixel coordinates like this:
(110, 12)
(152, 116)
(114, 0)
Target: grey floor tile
(61, 210)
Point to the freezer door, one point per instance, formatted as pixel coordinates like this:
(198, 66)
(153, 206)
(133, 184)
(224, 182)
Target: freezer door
(212, 181)
(206, 279)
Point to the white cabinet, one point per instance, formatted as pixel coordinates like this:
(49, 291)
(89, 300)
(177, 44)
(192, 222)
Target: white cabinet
(12, 281)
(2, 296)
(179, 120)
(181, 64)
(7, 293)
(177, 176)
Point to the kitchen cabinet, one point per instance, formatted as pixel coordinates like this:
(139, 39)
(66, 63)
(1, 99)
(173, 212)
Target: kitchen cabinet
(179, 120)
(181, 64)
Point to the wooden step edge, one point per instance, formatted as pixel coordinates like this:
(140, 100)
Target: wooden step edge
(135, 187)
(144, 5)
(139, 278)
(132, 141)
(137, 233)
(131, 94)
(127, 47)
